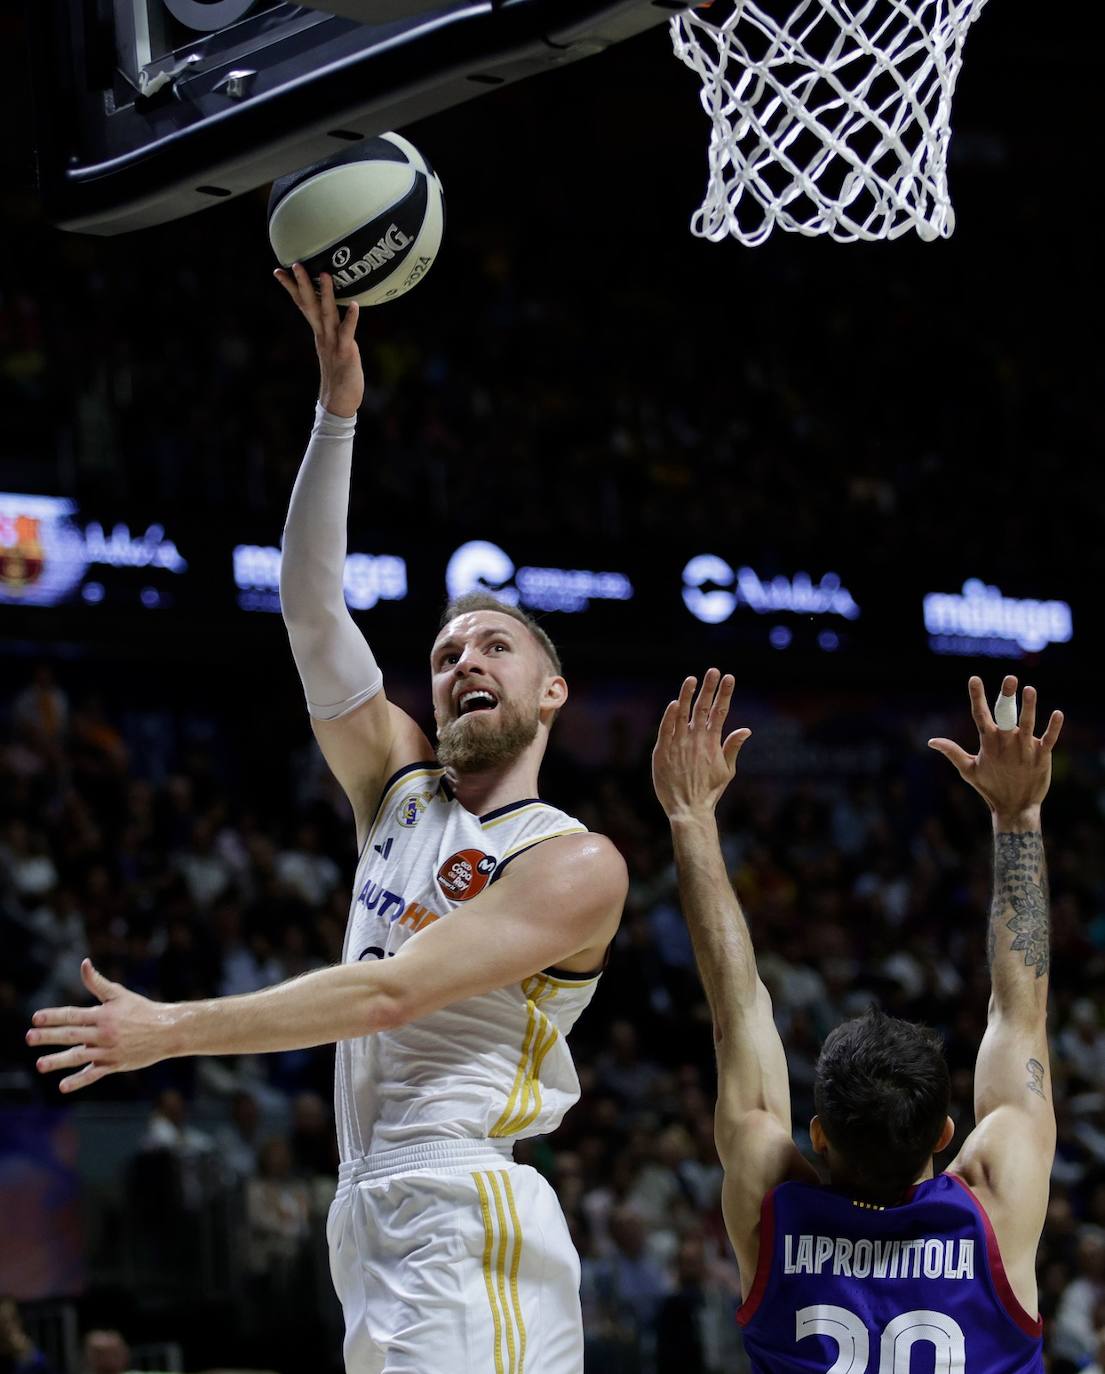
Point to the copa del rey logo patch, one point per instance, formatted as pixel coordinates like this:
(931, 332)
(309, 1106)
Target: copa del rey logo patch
(464, 875)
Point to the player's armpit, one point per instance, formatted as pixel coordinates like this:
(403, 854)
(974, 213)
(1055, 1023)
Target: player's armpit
(364, 748)
(558, 900)
(757, 1155)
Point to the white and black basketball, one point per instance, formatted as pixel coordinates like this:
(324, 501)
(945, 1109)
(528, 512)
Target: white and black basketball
(372, 216)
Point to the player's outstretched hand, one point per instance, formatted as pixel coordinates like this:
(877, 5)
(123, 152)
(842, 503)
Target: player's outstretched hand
(1012, 769)
(124, 1032)
(341, 389)
(692, 765)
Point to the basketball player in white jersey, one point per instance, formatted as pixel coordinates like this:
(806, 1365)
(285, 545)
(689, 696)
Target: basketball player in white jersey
(498, 910)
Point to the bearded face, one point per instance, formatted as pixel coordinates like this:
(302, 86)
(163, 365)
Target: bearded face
(490, 685)
(487, 736)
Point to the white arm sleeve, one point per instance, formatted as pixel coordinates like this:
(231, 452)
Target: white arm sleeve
(335, 663)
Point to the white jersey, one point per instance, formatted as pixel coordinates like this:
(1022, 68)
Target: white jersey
(490, 1066)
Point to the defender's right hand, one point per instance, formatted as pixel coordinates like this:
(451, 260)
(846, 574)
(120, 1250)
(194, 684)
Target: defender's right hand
(692, 764)
(1012, 769)
(341, 388)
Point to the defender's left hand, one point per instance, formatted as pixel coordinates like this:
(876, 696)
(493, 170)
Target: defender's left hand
(691, 764)
(125, 1032)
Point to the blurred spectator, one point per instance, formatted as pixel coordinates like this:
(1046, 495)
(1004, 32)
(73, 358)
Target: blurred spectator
(628, 1287)
(309, 873)
(695, 1324)
(26, 862)
(1081, 1313)
(278, 1206)
(238, 1140)
(105, 1352)
(168, 1128)
(41, 713)
(169, 1136)
(1098, 1365)
(313, 1146)
(278, 1215)
(205, 870)
(1082, 1046)
(18, 1353)
(621, 1068)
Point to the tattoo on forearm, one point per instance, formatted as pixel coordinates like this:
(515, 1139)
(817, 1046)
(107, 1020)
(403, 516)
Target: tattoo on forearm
(1036, 1078)
(1020, 899)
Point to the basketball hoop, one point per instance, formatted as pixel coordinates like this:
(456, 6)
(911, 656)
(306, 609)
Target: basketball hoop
(834, 119)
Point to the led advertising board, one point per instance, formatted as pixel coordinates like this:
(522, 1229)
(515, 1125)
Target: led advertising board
(980, 620)
(47, 557)
(630, 602)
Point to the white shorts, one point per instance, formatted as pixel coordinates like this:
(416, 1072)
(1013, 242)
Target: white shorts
(449, 1258)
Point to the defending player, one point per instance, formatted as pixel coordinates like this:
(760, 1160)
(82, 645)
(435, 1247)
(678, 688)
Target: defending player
(498, 909)
(851, 1276)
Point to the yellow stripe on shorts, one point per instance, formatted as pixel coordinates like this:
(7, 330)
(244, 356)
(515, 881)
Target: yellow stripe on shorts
(488, 1246)
(502, 1246)
(514, 1272)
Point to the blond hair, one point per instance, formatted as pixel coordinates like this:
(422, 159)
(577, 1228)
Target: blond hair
(484, 601)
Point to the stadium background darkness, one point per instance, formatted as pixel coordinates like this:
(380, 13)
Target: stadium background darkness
(578, 376)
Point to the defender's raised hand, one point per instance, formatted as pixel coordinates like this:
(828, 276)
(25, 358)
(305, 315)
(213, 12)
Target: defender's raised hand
(691, 764)
(341, 389)
(1012, 769)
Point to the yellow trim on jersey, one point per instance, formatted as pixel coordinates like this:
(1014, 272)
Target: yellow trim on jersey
(503, 1122)
(513, 815)
(536, 839)
(527, 1087)
(502, 1244)
(538, 1059)
(488, 1243)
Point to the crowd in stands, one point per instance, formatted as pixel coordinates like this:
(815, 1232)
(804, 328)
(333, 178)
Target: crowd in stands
(857, 888)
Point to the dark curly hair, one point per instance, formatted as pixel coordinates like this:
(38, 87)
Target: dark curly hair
(882, 1091)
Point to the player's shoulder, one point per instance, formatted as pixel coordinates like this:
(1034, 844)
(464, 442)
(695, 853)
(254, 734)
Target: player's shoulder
(529, 815)
(587, 855)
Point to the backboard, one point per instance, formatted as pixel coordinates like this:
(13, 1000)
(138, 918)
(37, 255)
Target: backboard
(148, 110)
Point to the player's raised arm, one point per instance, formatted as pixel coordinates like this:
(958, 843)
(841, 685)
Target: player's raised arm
(692, 765)
(364, 738)
(1007, 1158)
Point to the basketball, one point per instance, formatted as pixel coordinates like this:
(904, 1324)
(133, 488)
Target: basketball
(372, 216)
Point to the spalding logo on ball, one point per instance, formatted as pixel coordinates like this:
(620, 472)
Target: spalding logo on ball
(372, 216)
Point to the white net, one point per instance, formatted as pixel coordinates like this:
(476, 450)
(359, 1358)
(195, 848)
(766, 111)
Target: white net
(832, 120)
